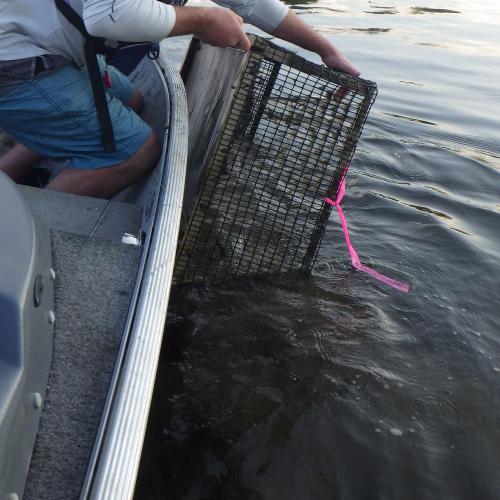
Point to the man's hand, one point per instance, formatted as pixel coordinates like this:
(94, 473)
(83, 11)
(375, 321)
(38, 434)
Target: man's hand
(224, 28)
(294, 30)
(217, 26)
(334, 59)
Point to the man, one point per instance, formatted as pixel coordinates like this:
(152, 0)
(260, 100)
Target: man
(46, 101)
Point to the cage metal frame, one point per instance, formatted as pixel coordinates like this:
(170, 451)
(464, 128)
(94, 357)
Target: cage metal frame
(276, 92)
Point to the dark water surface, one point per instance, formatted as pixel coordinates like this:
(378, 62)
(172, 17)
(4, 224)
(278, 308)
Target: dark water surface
(336, 386)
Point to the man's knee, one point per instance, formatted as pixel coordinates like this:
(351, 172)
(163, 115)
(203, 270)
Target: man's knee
(106, 182)
(147, 156)
(136, 102)
(137, 166)
(152, 149)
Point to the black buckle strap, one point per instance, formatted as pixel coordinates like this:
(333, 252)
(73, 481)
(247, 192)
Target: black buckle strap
(39, 66)
(107, 134)
(71, 15)
(101, 104)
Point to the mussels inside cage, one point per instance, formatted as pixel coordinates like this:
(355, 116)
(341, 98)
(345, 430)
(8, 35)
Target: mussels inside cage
(277, 134)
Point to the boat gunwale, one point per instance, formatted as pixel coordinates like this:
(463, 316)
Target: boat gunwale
(114, 463)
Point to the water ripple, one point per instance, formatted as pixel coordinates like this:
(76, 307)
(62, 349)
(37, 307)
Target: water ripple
(430, 10)
(335, 386)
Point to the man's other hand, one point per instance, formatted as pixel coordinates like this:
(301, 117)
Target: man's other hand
(217, 26)
(224, 28)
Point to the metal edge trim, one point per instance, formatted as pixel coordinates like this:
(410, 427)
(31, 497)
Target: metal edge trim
(117, 462)
(123, 349)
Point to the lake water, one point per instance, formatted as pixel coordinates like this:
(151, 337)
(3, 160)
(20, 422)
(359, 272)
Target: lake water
(336, 386)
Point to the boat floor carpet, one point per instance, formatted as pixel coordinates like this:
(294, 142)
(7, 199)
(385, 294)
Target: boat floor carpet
(94, 283)
(84, 215)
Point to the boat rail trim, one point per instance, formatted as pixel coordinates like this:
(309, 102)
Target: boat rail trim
(115, 460)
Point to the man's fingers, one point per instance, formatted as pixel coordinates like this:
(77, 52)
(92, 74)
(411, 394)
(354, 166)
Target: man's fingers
(244, 43)
(337, 61)
(224, 29)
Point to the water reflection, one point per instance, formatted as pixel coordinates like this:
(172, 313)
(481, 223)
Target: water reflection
(298, 3)
(411, 119)
(372, 31)
(430, 10)
(406, 82)
(334, 386)
(317, 10)
(467, 47)
(433, 212)
(367, 31)
(382, 10)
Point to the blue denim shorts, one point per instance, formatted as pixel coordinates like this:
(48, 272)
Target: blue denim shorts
(54, 115)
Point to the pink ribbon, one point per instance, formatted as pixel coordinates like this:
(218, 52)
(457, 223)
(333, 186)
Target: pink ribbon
(403, 287)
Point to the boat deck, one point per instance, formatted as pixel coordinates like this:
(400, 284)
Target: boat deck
(95, 277)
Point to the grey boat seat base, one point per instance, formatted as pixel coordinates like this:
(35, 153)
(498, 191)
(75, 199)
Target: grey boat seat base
(94, 283)
(26, 328)
(95, 279)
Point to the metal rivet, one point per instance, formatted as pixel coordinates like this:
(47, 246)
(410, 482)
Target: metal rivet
(51, 317)
(38, 290)
(37, 400)
(52, 274)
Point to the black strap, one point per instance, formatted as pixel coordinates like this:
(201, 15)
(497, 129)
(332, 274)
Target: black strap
(101, 104)
(107, 134)
(71, 15)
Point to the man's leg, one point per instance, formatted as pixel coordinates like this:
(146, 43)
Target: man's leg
(19, 160)
(54, 116)
(136, 102)
(108, 181)
(121, 87)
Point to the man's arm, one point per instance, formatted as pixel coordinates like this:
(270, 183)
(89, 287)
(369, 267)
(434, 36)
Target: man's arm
(275, 18)
(216, 26)
(294, 30)
(150, 20)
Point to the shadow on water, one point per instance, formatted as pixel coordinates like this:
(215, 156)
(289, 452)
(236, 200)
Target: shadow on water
(335, 386)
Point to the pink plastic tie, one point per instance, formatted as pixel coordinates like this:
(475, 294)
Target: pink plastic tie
(403, 287)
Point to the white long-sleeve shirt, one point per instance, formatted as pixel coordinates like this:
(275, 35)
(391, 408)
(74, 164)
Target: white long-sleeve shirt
(35, 27)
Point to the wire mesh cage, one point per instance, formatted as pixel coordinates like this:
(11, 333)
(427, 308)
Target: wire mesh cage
(286, 134)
